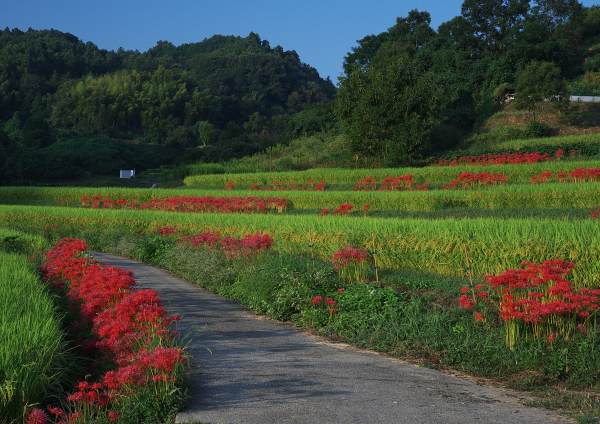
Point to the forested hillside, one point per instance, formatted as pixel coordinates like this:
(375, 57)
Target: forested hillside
(405, 93)
(236, 91)
(413, 88)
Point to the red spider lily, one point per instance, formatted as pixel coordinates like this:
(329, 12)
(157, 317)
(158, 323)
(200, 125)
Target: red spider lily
(539, 298)
(249, 245)
(575, 176)
(365, 209)
(121, 321)
(343, 210)
(57, 412)
(317, 299)
(390, 184)
(350, 261)
(324, 212)
(194, 204)
(501, 159)
(37, 416)
(166, 230)
(467, 179)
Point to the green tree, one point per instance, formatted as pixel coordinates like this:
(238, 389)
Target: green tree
(388, 111)
(206, 131)
(540, 82)
(556, 12)
(492, 21)
(256, 123)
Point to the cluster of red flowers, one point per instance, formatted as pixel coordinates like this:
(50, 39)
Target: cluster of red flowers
(247, 246)
(343, 210)
(365, 209)
(391, 184)
(195, 204)
(577, 175)
(350, 262)
(502, 159)
(328, 301)
(163, 231)
(129, 328)
(595, 213)
(347, 255)
(279, 186)
(329, 304)
(467, 179)
(538, 295)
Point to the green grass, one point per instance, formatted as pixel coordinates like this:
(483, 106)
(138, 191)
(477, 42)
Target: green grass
(519, 144)
(303, 153)
(33, 359)
(18, 242)
(436, 175)
(510, 196)
(410, 314)
(494, 244)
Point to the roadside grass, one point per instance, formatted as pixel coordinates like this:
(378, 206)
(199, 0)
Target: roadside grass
(412, 315)
(35, 366)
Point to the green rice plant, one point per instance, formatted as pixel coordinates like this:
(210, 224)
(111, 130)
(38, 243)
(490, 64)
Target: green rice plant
(494, 245)
(510, 196)
(519, 144)
(434, 175)
(33, 359)
(19, 242)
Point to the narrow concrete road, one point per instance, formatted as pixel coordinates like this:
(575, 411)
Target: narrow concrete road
(249, 369)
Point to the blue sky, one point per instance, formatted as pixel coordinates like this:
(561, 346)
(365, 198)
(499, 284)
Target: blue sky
(321, 32)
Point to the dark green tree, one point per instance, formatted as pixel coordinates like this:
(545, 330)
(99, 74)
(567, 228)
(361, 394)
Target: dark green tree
(491, 21)
(388, 111)
(540, 82)
(556, 12)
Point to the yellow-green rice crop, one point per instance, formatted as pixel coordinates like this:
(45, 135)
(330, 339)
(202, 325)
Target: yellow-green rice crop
(494, 245)
(518, 144)
(437, 175)
(513, 196)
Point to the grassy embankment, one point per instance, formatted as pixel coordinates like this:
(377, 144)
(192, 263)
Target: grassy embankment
(34, 359)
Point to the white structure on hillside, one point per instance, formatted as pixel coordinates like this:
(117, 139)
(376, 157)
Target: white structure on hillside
(127, 173)
(585, 99)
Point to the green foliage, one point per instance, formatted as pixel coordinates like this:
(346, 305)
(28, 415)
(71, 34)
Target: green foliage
(33, 353)
(318, 118)
(408, 314)
(388, 111)
(540, 81)
(66, 84)
(318, 151)
(206, 131)
(152, 248)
